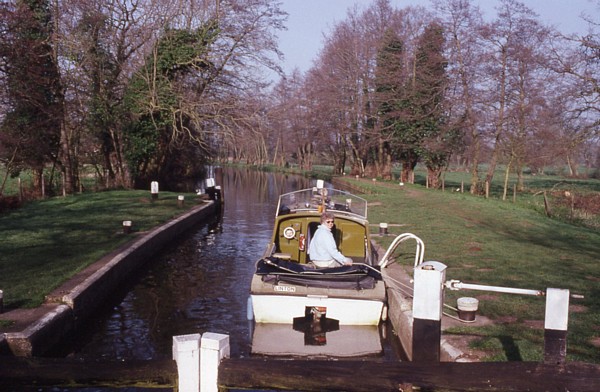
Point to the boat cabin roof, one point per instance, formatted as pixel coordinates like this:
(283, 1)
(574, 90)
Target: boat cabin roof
(320, 199)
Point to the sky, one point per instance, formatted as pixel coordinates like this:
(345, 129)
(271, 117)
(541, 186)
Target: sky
(309, 20)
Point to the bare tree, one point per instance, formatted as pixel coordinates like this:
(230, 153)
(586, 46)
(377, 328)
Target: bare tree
(462, 23)
(574, 59)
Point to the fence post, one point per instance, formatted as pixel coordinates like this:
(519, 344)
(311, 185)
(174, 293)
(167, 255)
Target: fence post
(213, 348)
(186, 353)
(428, 304)
(555, 326)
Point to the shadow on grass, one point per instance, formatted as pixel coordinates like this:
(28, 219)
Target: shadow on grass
(511, 350)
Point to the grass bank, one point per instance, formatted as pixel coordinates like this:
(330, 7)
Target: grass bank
(46, 242)
(499, 243)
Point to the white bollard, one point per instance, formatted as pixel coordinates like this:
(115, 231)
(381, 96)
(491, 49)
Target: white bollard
(383, 229)
(428, 302)
(154, 190)
(555, 325)
(186, 352)
(127, 226)
(210, 188)
(213, 348)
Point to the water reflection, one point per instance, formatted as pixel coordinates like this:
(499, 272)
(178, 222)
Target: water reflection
(339, 341)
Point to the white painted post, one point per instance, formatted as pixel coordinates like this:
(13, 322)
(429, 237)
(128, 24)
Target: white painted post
(555, 325)
(383, 229)
(127, 225)
(154, 189)
(186, 352)
(210, 188)
(213, 348)
(428, 305)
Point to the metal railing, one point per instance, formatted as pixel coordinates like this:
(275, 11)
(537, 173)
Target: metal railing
(397, 241)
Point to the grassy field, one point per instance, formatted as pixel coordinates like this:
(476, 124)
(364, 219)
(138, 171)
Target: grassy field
(46, 242)
(572, 200)
(491, 242)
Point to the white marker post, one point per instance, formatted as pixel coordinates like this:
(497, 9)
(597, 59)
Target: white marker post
(213, 348)
(127, 226)
(555, 326)
(186, 353)
(383, 229)
(154, 189)
(428, 305)
(210, 188)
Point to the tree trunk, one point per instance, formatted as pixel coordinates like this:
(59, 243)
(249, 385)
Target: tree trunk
(506, 174)
(499, 127)
(385, 161)
(38, 181)
(433, 177)
(408, 166)
(358, 167)
(572, 166)
(475, 183)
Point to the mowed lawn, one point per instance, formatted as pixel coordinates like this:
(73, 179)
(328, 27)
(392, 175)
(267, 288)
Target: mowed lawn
(491, 242)
(46, 242)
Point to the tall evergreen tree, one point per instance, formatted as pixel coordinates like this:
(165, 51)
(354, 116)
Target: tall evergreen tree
(390, 100)
(410, 106)
(436, 140)
(31, 127)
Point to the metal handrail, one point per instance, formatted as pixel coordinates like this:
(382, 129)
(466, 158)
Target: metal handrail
(399, 239)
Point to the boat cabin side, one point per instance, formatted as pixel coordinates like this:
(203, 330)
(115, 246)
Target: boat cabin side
(292, 235)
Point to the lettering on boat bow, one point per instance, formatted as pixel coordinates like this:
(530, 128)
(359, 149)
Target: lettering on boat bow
(285, 289)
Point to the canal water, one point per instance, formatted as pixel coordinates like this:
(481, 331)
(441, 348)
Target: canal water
(200, 283)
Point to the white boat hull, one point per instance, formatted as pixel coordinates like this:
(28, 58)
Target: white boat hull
(282, 309)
